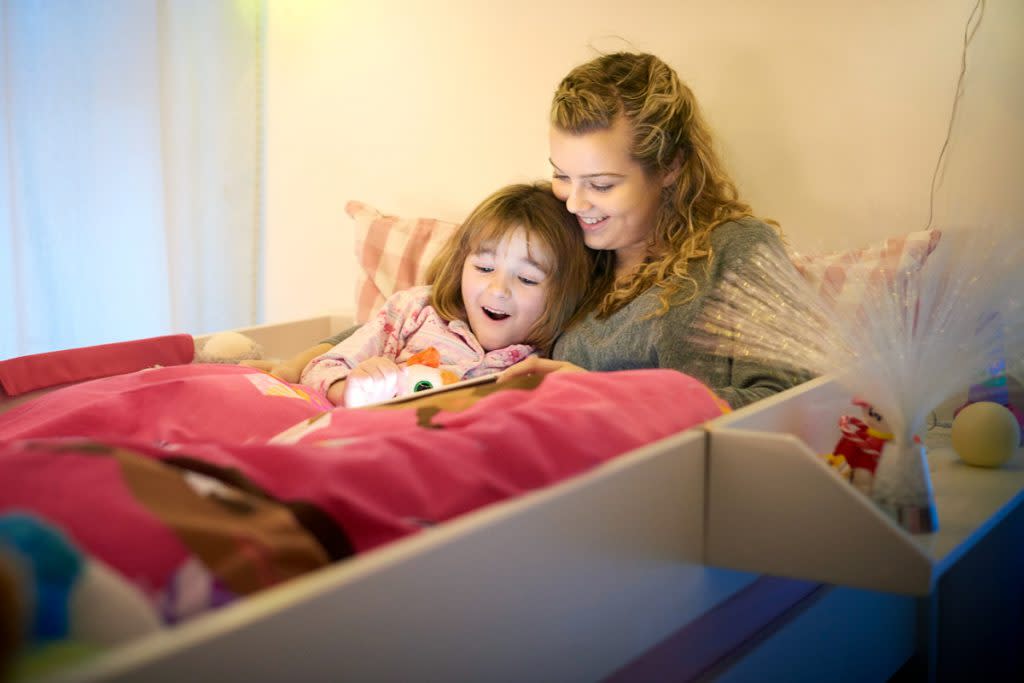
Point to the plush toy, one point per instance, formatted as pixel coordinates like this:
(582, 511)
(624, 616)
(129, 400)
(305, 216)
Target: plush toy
(423, 372)
(67, 605)
(227, 347)
(861, 443)
(12, 611)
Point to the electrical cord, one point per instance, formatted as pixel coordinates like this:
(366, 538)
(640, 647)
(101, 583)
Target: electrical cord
(969, 31)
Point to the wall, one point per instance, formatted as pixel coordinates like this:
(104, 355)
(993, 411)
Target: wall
(830, 115)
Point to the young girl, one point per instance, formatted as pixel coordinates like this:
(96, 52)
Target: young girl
(501, 290)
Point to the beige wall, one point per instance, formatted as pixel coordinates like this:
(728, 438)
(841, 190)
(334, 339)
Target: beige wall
(830, 114)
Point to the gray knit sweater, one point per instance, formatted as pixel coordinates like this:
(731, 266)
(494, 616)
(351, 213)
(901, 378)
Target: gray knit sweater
(630, 339)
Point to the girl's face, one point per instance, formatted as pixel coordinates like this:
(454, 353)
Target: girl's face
(505, 289)
(615, 201)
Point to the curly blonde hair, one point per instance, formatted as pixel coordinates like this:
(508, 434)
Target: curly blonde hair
(668, 133)
(534, 208)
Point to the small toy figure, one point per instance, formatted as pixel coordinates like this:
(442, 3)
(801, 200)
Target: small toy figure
(420, 372)
(838, 464)
(59, 605)
(423, 371)
(861, 443)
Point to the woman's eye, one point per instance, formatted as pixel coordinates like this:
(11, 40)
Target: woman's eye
(601, 188)
(559, 177)
(484, 269)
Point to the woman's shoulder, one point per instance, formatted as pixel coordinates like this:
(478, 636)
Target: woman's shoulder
(735, 244)
(743, 235)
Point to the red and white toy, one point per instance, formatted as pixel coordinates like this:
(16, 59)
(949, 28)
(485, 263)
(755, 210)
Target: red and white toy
(862, 442)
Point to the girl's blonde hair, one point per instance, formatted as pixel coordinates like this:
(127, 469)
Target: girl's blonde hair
(534, 208)
(668, 133)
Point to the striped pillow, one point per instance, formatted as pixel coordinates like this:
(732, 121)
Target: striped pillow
(393, 254)
(841, 276)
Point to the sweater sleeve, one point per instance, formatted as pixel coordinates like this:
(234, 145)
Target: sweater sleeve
(341, 336)
(751, 382)
(739, 381)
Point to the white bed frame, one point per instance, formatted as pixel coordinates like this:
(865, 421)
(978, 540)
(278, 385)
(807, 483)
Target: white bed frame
(602, 576)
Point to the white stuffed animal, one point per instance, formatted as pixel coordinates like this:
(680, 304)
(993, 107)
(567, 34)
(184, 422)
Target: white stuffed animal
(227, 347)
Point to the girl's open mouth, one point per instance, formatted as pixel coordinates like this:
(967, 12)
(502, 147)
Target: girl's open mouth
(493, 314)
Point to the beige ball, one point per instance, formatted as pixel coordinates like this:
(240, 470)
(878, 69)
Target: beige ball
(985, 434)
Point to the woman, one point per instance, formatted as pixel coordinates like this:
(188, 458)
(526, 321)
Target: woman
(633, 159)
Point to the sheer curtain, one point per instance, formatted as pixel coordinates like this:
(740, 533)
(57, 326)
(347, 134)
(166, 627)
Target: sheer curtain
(130, 169)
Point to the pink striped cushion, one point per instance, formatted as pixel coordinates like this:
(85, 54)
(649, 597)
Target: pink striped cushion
(840, 276)
(393, 254)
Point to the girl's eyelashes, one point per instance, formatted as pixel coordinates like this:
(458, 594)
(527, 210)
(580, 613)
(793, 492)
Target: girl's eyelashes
(601, 188)
(529, 280)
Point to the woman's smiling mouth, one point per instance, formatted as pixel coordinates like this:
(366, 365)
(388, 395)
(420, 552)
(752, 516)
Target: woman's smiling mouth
(589, 224)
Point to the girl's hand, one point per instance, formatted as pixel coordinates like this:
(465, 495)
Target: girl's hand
(537, 366)
(375, 379)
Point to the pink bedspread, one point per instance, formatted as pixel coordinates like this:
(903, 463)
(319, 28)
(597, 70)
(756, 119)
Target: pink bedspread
(204, 482)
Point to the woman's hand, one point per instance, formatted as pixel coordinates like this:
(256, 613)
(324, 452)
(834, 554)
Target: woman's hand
(264, 365)
(289, 370)
(537, 366)
(283, 370)
(372, 381)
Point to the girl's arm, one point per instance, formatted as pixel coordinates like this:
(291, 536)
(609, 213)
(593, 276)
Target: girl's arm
(383, 335)
(326, 369)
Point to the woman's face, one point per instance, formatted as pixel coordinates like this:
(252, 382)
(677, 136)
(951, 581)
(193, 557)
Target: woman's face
(614, 200)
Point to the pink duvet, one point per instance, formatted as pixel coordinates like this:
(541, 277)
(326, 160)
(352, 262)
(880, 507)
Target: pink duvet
(201, 482)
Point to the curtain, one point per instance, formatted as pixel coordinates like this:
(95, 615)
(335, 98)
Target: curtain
(130, 169)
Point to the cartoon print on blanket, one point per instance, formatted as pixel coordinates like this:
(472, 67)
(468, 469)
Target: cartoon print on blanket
(461, 399)
(186, 539)
(380, 475)
(203, 519)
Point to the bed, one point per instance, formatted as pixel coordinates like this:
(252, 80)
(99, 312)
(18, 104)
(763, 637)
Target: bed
(629, 566)
(601, 575)
(105, 408)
